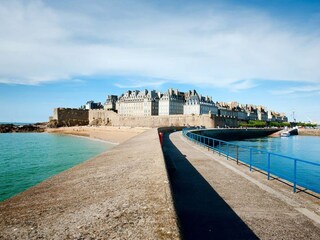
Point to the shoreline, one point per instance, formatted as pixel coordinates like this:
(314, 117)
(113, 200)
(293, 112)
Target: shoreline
(108, 134)
(85, 137)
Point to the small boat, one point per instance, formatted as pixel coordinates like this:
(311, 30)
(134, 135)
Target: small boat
(285, 134)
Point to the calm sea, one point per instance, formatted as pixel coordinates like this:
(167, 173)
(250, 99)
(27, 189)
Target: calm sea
(29, 158)
(301, 147)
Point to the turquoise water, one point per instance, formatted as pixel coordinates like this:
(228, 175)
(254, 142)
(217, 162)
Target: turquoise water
(29, 158)
(306, 148)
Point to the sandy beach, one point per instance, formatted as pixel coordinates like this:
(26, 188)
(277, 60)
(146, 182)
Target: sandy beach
(106, 133)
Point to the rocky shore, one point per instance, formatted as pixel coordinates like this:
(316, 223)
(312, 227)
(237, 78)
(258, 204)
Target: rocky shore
(12, 128)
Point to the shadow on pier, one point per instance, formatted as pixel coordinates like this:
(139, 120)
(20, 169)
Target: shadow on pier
(202, 213)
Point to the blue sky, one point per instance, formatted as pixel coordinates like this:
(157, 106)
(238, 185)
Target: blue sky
(63, 53)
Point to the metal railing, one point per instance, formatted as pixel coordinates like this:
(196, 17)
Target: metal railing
(288, 168)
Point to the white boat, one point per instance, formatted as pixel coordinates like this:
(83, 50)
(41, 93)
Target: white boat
(285, 134)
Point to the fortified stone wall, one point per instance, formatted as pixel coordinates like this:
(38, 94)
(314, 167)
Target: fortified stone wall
(105, 117)
(236, 134)
(225, 122)
(70, 116)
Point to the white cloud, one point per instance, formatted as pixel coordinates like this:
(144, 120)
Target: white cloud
(307, 89)
(156, 84)
(214, 46)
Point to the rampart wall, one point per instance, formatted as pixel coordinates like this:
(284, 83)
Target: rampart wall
(71, 116)
(236, 134)
(105, 117)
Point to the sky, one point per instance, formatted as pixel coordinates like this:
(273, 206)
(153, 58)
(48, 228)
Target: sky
(64, 53)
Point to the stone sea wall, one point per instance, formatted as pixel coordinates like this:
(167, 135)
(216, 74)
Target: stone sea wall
(309, 131)
(104, 117)
(236, 134)
(69, 117)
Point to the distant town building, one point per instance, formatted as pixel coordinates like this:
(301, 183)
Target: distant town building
(171, 102)
(92, 105)
(226, 109)
(139, 103)
(111, 103)
(196, 104)
(262, 114)
(271, 116)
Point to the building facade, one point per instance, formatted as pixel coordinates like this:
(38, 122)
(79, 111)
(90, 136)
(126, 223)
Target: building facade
(139, 103)
(111, 103)
(171, 103)
(196, 104)
(93, 105)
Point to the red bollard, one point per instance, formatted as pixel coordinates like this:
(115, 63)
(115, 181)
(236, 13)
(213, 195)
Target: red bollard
(161, 137)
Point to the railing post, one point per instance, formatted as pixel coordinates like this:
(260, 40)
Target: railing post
(227, 151)
(212, 146)
(268, 166)
(250, 159)
(237, 154)
(219, 148)
(295, 176)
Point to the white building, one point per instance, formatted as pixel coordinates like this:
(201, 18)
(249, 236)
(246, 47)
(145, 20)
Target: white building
(262, 113)
(196, 104)
(110, 103)
(171, 102)
(242, 115)
(139, 103)
(224, 112)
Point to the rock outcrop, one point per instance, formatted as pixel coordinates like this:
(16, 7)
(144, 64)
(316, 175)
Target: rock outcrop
(9, 128)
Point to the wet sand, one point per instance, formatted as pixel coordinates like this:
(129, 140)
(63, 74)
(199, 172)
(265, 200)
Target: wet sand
(105, 133)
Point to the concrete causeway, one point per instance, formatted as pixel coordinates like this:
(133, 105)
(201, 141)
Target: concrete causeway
(121, 194)
(125, 193)
(218, 199)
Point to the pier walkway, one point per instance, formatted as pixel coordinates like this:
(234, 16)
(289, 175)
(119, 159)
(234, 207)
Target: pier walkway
(217, 199)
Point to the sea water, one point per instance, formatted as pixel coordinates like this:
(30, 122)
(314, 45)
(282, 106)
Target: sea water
(305, 148)
(29, 158)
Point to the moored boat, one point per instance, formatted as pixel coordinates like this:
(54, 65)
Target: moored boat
(285, 134)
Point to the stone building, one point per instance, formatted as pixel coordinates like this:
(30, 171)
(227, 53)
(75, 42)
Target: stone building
(139, 103)
(262, 113)
(111, 103)
(226, 109)
(197, 104)
(251, 112)
(69, 117)
(271, 116)
(171, 102)
(93, 105)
